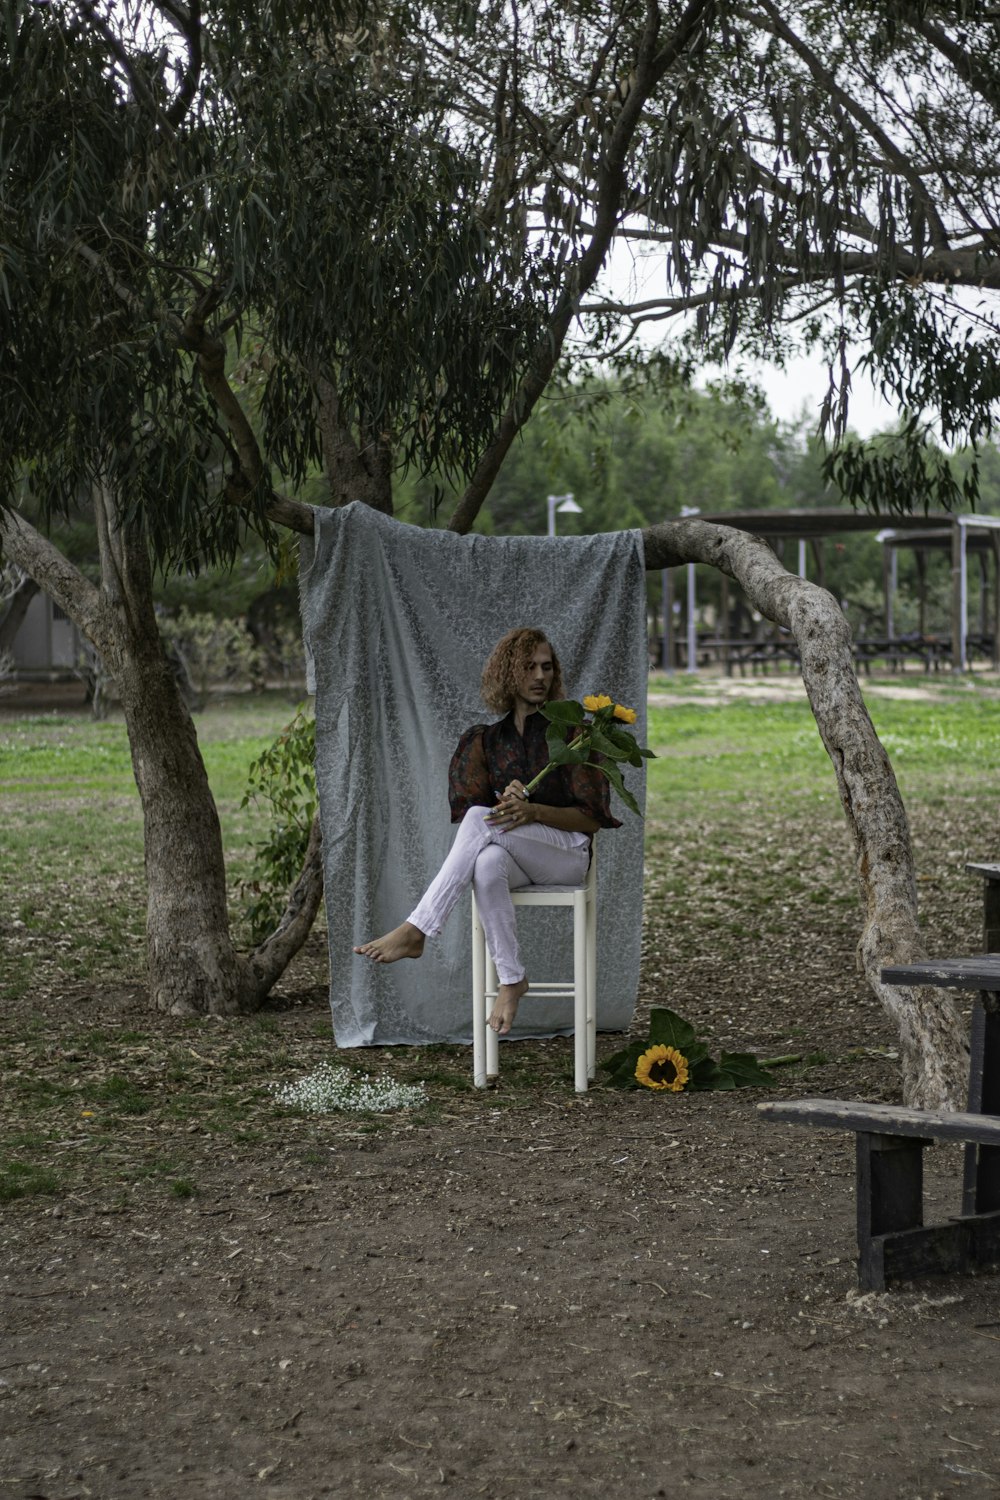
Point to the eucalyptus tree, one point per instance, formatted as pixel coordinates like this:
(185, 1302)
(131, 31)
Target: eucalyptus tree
(226, 255)
(244, 242)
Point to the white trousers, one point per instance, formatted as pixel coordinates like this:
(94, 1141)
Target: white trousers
(497, 861)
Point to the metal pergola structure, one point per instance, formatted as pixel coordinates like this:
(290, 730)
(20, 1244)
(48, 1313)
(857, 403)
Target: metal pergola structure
(962, 534)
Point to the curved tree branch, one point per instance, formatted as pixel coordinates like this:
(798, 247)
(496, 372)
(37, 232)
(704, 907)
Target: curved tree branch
(189, 22)
(75, 595)
(270, 960)
(966, 64)
(933, 1046)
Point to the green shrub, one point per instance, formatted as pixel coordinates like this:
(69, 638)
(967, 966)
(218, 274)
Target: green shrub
(283, 778)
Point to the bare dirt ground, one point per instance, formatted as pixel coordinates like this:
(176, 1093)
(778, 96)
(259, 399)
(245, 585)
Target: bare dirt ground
(614, 1295)
(522, 1294)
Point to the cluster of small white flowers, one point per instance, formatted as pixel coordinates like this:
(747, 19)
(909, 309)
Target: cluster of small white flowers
(331, 1088)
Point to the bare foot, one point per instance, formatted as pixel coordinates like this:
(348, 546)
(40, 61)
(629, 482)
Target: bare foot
(404, 941)
(502, 1015)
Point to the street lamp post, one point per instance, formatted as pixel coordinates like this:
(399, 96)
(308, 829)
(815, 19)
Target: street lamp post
(565, 505)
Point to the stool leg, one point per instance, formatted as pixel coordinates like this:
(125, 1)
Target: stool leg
(581, 1046)
(492, 1040)
(479, 1061)
(591, 990)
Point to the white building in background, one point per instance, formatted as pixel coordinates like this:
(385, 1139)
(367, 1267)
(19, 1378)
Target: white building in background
(48, 641)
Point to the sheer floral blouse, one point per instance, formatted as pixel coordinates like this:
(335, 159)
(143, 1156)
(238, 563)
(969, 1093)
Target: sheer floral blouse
(490, 756)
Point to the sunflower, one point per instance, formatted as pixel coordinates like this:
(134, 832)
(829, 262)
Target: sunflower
(595, 701)
(662, 1068)
(627, 715)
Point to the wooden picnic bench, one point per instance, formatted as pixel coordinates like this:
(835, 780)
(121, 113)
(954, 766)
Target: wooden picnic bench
(893, 1241)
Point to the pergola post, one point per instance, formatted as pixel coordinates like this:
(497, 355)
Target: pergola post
(959, 595)
(890, 575)
(818, 558)
(920, 557)
(724, 622)
(667, 606)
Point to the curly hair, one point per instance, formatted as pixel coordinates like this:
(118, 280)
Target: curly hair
(508, 660)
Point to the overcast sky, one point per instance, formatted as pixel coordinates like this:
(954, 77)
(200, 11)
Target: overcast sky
(803, 384)
(635, 275)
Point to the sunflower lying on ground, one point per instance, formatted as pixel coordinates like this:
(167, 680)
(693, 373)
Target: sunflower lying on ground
(662, 1068)
(672, 1059)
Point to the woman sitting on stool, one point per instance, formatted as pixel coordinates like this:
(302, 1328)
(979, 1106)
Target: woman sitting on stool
(507, 841)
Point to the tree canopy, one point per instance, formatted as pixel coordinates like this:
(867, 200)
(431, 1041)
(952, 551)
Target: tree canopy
(243, 243)
(199, 204)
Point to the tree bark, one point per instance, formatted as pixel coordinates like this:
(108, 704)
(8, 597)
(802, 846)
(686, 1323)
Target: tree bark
(353, 472)
(271, 959)
(193, 965)
(933, 1045)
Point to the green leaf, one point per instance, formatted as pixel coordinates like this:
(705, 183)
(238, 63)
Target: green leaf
(621, 1065)
(715, 1079)
(611, 771)
(555, 738)
(667, 1029)
(603, 745)
(564, 711)
(745, 1070)
(621, 738)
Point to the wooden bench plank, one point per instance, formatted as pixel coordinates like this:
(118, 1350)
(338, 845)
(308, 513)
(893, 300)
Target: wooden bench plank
(980, 972)
(884, 1119)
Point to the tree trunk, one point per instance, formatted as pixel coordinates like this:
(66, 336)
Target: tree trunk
(933, 1044)
(355, 470)
(193, 966)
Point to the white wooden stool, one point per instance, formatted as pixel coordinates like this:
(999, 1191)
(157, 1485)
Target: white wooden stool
(582, 989)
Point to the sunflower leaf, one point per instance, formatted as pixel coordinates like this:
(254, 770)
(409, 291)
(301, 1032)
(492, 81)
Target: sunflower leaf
(621, 1065)
(717, 1080)
(564, 711)
(671, 1030)
(745, 1070)
(704, 1074)
(696, 1054)
(615, 1061)
(611, 771)
(561, 754)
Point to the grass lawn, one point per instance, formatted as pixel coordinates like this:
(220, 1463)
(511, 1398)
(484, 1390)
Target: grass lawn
(748, 880)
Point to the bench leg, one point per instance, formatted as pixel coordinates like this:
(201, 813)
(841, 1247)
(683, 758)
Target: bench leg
(890, 1197)
(893, 1245)
(981, 1180)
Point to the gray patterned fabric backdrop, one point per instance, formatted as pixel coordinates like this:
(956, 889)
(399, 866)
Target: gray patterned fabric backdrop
(398, 622)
